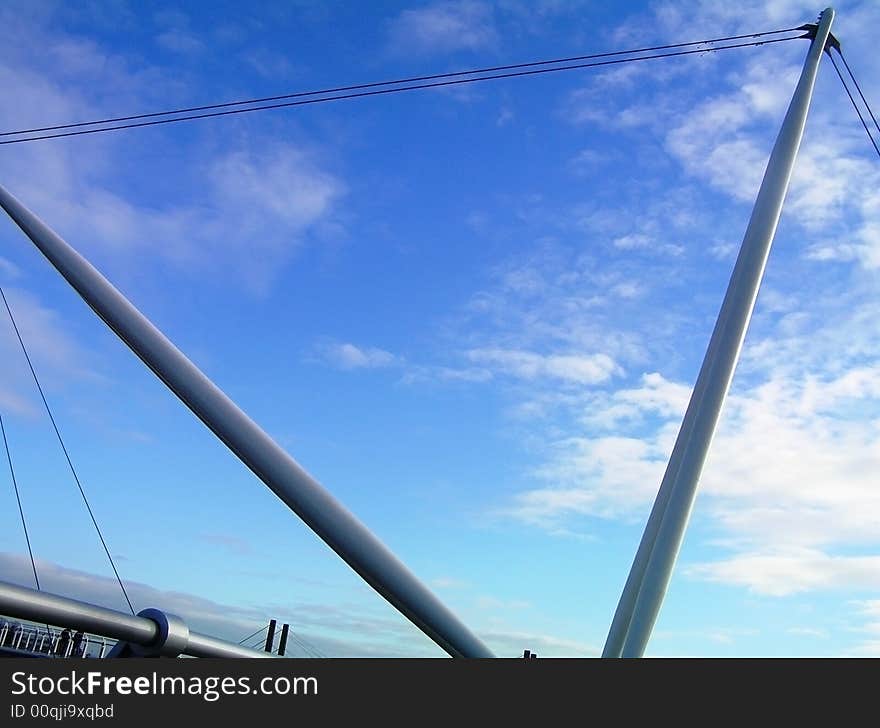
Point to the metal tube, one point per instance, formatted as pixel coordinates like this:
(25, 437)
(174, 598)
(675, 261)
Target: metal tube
(326, 516)
(24, 603)
(40, 606)
(623, 614)
(652, 569)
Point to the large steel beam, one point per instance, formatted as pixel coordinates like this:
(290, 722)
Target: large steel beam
(39, 606)
(655, 558)
(325, 515)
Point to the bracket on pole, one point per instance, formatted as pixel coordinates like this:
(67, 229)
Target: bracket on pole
(812, 28)
(171, 640)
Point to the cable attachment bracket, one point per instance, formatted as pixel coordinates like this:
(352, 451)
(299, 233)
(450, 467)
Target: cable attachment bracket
(172, 637)
(811, 29)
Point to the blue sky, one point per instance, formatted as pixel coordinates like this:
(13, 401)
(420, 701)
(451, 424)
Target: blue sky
(474, 315)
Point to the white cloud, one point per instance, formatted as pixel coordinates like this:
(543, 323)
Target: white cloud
(790, 573)
(807, 632)
(633, 241)
(726, 141)
(444, 27)
(8, 269)
(788, 487)
(512, 644)
(179, 41)
(577, 368)
(271, 65)
(868, 612)
(807, 479)
(505, 116)
(604, 476)
(641, 241)
(278, 193)
(609, 476)
(349, 356)
(176, 35)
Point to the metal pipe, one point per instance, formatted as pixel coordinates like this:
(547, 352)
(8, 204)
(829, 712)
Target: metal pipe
(652, 569)
(326, 516)
(623, 614)
(39, 606)
(24, 603)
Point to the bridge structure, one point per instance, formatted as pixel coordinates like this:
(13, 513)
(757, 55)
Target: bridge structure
(155, 633)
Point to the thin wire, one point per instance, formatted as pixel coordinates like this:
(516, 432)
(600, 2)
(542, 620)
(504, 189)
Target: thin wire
(412, 79)
(384, 91)
(66, 454)
(309, 649)
(241, 642)
(858, 88)
(302, 648)
(20, 509)
(855, 105)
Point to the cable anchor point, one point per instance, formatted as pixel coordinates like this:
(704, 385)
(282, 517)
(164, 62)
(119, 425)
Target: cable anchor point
(811, 29)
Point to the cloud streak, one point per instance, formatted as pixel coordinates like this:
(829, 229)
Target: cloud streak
(444, 27)
(241, 210)
(347, 356)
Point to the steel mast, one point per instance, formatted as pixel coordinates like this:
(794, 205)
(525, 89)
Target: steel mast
(655, 558)
(321, 512)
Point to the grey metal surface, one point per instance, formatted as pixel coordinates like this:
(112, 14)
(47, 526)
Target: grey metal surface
(23, 603)
(326, 516)
(655, 558)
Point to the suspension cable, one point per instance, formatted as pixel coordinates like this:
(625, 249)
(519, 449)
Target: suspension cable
(858, 88)
(855, 105)
(242, 641)
(411, 79)
(66, 453)
(395, 89)
(20, 508)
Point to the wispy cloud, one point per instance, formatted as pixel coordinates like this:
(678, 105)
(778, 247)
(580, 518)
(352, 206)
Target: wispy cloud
(806, 482)
(641, 241)
(8, 269)
(868, 613)
(279, 192)
(512, 643)
(807, 632)
(176, 34)
(444, 27)
(787, 490)
(791, 573)
(179, 41)
(590, 369)
(344, 355)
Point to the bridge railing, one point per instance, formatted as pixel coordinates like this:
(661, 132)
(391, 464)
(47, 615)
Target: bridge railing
(35, 640)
